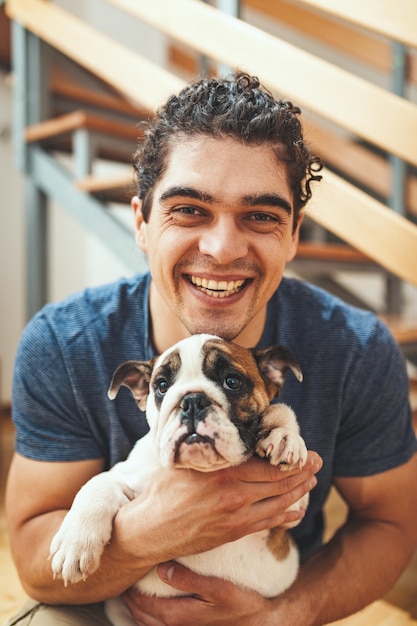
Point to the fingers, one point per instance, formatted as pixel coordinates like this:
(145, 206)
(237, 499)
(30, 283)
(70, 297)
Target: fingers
(275, 511)
(184, 579)
(150, 610)
(263, 481)
(258, 470)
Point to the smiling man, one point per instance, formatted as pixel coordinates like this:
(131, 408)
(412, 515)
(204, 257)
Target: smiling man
(223, 175)
(223, 215)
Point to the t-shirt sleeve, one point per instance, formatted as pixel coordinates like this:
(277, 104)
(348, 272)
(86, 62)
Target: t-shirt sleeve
(48, 416)
(376, 431)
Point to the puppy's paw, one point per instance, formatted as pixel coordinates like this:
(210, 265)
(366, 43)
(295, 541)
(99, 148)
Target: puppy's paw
(283, 447)
(76, 550)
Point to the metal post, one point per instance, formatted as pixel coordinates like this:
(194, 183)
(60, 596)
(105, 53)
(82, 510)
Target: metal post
(30, 106)
(84, 151)
(394, 286)
(231, 7)
(19, 47)
(36, 227)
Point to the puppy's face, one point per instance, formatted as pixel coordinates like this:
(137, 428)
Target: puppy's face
(204, 399)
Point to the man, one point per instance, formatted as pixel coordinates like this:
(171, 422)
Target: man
(223, 175)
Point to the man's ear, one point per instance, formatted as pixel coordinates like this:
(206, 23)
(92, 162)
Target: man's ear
(295, 238)
(140, 224)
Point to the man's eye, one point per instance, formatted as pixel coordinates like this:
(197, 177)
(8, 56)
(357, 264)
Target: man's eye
(233, 383)
(263, 217)
(188, 210)
(187, 215)
(161, 386)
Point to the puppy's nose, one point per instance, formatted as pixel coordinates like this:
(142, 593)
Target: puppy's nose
(194, 409)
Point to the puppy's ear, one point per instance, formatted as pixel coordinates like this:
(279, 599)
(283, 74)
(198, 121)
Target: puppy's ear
(274, 362)
(136, 376)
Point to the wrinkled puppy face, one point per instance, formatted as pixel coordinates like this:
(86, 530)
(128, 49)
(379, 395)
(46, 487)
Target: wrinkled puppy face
(206, 398)
(208, 395)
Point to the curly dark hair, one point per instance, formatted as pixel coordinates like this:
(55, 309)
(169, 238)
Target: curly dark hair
(239, 108)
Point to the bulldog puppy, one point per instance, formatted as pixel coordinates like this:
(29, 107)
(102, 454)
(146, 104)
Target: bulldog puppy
(208, 406)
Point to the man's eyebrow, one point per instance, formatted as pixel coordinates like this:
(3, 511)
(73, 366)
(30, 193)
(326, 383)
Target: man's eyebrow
(268, 199)
(186, 192)
(251, 200)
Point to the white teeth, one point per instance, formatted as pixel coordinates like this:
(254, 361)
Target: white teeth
(217, 289)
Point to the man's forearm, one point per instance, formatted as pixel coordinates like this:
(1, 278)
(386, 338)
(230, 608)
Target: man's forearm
(360, 564)
(116, 572)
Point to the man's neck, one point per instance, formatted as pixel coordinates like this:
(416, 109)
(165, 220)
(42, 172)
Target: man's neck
(167, 329)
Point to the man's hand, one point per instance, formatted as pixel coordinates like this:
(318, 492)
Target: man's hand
(185, 512)
(210, 602)
(214, 602)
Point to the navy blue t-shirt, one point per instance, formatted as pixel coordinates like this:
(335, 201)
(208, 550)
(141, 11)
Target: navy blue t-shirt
(352, 405)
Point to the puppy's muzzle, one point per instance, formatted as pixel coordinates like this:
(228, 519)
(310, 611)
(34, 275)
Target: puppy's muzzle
(194, 410)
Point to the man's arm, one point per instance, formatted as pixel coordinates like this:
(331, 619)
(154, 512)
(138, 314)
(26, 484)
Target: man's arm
(360, 564)
(162, 523)
(38, 496)
(367, 555)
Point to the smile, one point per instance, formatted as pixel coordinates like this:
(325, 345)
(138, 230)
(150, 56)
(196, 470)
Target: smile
(217, 288)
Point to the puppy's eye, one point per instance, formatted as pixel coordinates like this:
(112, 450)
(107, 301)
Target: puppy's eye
(232, 383)
(161, 386)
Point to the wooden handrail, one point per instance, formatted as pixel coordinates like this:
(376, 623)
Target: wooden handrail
(396, 19)
(310, 81)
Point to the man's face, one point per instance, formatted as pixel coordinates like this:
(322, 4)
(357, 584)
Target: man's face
(219, 235)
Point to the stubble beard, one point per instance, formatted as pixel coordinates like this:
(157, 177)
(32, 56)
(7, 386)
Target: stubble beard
(213, 324)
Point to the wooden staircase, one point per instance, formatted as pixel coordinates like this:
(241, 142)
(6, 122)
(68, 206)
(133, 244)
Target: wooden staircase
(358, 232)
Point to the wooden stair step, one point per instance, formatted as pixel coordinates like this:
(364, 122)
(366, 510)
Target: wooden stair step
(80, 119)
(357, 162)
(114, 140)
(68, 87)
(116, 188)
(331, 252)
(403, 327)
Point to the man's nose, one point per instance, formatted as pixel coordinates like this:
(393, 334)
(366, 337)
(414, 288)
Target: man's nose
(224, 242)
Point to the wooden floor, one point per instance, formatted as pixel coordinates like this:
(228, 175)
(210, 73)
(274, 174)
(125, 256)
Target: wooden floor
(399, 608)
(11, 593)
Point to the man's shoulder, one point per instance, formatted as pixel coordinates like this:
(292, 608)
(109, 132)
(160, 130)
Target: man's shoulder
(304, 308)
(310, 300)
(99, 301)
(95, 312)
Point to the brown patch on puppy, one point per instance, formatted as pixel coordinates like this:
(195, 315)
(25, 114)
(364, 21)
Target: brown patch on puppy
(222, 359)
(279, 542)
(168, 369)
